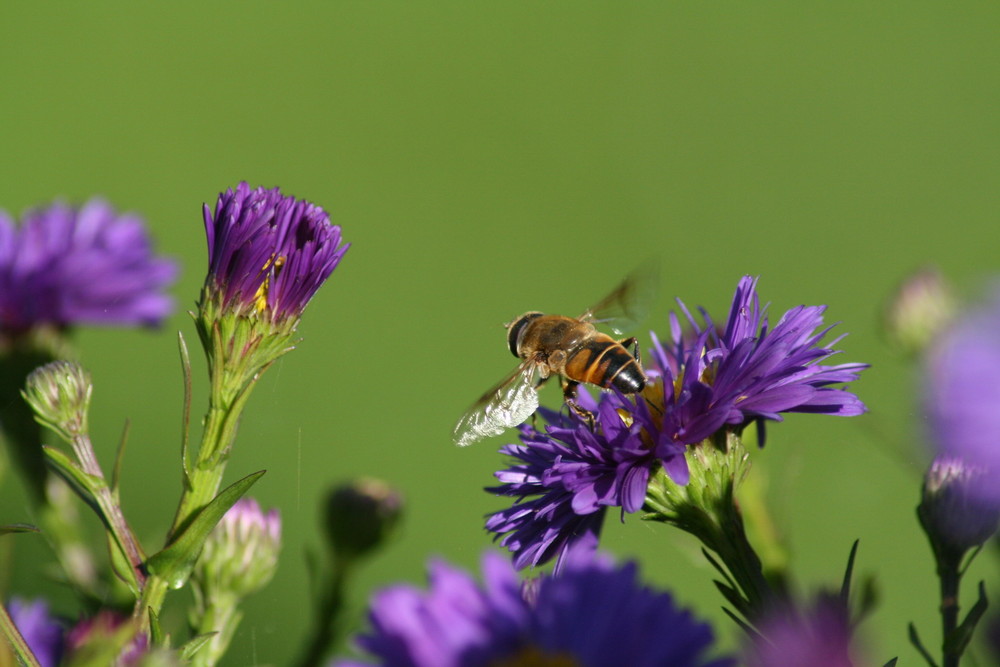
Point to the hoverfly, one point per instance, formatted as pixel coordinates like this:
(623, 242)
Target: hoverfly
(570, 347)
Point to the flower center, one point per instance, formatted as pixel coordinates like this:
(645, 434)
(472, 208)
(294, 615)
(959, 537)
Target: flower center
(533, 656)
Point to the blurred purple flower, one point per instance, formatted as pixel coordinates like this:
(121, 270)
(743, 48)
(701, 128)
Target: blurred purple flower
(63, 266)
(103, 631)
(43, 634)
(268, 252)
(593, 614)
(818, 637)
(701, 383)
(962, 392)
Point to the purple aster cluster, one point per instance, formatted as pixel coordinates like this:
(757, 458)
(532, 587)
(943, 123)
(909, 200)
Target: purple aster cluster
(268, 252)
(63, 266)
(593, 614)
(704, 381)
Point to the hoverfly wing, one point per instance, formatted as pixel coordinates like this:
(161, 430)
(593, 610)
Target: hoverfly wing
(627, 304)
(508, 404)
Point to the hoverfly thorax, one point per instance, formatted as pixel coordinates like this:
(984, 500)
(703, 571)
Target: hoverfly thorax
(516, 328)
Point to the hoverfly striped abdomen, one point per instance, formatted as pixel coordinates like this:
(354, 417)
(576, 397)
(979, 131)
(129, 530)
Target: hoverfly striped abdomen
(605, 362)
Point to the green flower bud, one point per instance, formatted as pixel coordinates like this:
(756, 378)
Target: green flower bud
(920, 308)
(59, 393)
(360, 515)
(241, 553)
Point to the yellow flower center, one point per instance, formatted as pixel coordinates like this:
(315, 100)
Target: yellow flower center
(272, 268)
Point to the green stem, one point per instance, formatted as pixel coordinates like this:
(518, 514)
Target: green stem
(202, 483)
(16, 640)
(111, 510)
(326, 623)
(951, 579)
(222, 616)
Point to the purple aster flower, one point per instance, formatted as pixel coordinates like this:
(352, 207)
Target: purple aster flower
(42, 633)
(593, 614)
(759, 372)
(564, 479)
(63, 266)
(268, 252)
(703, 383)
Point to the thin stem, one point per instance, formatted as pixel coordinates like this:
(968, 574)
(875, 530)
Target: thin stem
(326, 623)
(951, 578)
(111, 510)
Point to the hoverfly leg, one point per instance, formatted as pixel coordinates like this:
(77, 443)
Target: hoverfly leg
(569, 396)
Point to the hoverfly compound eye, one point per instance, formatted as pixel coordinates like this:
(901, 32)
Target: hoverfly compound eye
(514, 331)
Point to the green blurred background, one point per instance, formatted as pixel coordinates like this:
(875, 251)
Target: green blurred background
(486, 159)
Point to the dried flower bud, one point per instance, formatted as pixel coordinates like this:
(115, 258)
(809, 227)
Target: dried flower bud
(360, 515)
(59, 393)
(918, 310)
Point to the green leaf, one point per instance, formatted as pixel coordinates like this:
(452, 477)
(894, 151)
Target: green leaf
(155, 632)
(746, 627)
(919, 645)
(186, 412)
(734, 598)
(845, 587)
(958, 640)
(18, 528)
(85, 485)
(188, 650)
(175, 562)
(120, 457)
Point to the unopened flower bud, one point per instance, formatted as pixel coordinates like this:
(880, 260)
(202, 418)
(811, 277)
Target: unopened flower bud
(241, 553)
(360, 515)
(918, 310)
(954, 512)
(59, 393)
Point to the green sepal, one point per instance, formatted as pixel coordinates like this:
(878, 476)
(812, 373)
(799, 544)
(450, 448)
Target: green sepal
(174, 563)
(18, 528)
(122, 567)
(188, 650)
